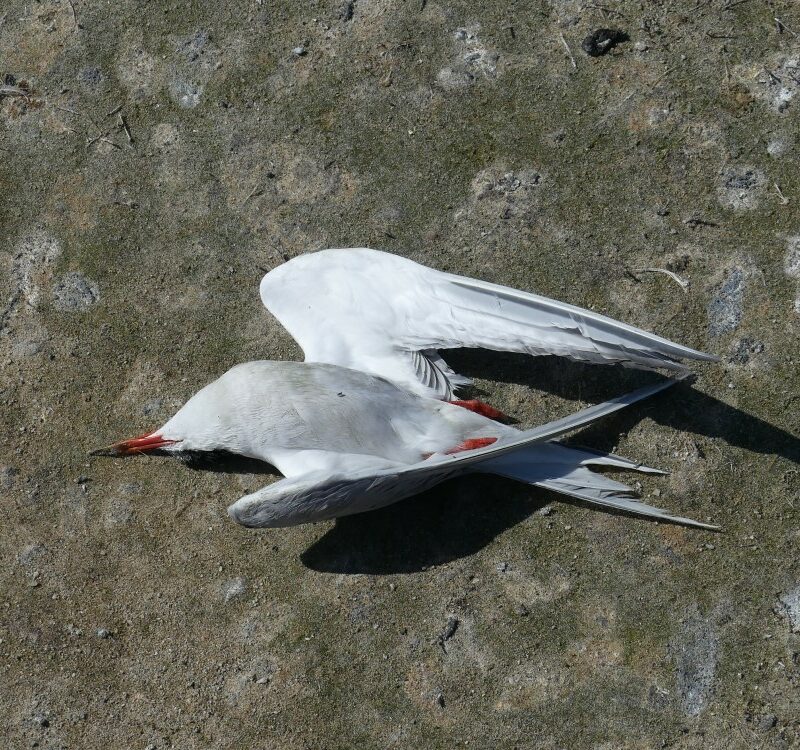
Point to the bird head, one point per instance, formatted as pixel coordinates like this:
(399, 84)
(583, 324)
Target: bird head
(203, 423)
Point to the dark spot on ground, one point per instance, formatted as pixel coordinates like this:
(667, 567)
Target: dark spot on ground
(601, 41)
(725, 309)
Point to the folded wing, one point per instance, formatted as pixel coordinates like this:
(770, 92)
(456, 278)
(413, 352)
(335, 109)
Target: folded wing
(320, 495)
(384, 314)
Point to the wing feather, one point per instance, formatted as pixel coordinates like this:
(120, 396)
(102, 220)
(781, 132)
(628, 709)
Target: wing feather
(320, 495)
(384, 314)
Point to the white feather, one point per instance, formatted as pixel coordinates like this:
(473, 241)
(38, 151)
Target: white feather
(386, 315)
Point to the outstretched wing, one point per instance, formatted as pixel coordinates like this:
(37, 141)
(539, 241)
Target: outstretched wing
(384, 314)
(320, 495)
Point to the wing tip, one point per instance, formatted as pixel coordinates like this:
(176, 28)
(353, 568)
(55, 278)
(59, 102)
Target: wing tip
(691, 523)
(702, 356)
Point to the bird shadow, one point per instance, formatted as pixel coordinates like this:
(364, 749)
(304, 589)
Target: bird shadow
(682, 407)
(453, 520)
(223, 462)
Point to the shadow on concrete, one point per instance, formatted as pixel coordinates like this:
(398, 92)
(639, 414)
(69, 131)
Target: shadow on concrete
(223, 462)
(451, 521)
(682, 407)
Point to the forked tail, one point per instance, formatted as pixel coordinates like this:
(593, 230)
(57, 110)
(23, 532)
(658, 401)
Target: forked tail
(565, 470)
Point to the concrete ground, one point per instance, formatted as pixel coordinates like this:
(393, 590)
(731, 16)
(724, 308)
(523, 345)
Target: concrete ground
(157, 157)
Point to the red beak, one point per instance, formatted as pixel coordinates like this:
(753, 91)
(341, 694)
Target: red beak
(142, 444)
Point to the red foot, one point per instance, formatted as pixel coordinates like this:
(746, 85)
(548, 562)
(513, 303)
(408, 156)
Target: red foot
(483, 409)
(471, 445)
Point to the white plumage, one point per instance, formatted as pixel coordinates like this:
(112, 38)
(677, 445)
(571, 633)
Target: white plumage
(387, 315)
(361, 423)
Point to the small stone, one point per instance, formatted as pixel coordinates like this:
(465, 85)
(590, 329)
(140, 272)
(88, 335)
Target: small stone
(152, 406)
(32, 552)
(778, 147)
(741, 188)
(640, 47)
(193, 47)
(744, 349)
(601, 41)
(233, 588)
(791, 263)
(7, 475)
(90, 76)
(186, 94)
(556, 137)
(725, 309)
(74, 292)
(448, 632)
(741, 181)
(41, 720)
(521, 610)
(440, 699)
(790, 602)
(502, 567)
(299, 51)
(767, 722)
(103, 633)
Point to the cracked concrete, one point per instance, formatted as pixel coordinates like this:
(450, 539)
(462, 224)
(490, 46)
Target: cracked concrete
(157, 159)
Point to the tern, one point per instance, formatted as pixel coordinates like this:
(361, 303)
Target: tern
(367, 419)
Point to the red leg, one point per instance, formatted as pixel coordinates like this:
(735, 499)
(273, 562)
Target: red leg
(471, 445)
(483, 409)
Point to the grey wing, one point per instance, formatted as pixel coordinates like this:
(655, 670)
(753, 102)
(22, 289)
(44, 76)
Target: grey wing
(320, 495)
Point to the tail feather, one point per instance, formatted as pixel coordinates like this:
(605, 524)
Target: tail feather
(555, 453)
(619, 501)
(563, 470)
(598, 458)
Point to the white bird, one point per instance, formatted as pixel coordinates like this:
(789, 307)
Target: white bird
(389, 316)
(348, 442)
